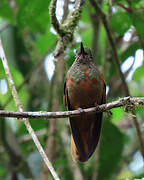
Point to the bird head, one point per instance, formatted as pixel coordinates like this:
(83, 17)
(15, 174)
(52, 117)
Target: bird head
(83, 54)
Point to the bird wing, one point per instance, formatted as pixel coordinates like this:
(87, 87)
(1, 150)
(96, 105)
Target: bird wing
(73, 123)
(97, 126)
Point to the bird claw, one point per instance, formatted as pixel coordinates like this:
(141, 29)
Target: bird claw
(82, 115)
(80, 110)
(97, 106)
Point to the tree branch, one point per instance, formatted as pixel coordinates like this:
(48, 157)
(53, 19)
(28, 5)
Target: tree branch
(127, 102)
(66, 29)
(128, 9)
(19, 106)
(54, 20)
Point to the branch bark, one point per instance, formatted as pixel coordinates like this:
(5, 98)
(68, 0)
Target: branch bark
(127, 102)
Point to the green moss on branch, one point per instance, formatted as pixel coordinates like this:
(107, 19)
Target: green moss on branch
(65, 31)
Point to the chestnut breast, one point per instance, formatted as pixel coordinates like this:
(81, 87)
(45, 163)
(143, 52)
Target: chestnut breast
(85, 88)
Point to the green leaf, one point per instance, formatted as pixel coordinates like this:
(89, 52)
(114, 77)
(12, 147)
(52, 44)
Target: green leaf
(2, 171)
(140, 112)
(139, 176)
(18, 78)
(85, 16)
(87, 36)
(7, 37)
(136, 3)
(130, 51)
(121, 1)
(44, 42)
(6, 11)
(112, 73)
(117, 114)
(139, 73)
(138, 22)
(110, 152)
(71, 55)
(136, 88)
(34, 15)
(101, 44)
(121, 22)
(102, 38)
(2, 73)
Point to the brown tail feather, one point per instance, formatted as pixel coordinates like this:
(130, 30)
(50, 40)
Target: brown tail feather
(85, 136)
(74, 151)
(75, 154)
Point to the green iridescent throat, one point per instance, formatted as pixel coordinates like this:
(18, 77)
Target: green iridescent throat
(78, 76)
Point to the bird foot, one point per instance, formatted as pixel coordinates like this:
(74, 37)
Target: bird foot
(97, 106)
(82, 115)
(80, 110)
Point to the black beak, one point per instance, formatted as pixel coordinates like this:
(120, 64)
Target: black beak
(82, 52)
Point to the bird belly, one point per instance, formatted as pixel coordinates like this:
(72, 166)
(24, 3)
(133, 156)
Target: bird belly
(84, 93)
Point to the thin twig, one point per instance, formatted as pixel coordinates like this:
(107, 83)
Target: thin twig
(128, 102)
(117, 60)
(19, 106)
(128, 9)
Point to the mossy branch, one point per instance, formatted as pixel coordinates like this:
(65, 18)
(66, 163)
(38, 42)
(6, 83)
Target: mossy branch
(65, 31)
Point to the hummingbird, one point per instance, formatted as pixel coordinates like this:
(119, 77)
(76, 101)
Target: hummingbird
(84, 88)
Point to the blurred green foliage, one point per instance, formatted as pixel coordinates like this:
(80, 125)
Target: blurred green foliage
(138, 75)
(33, 15)
(121, 17)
